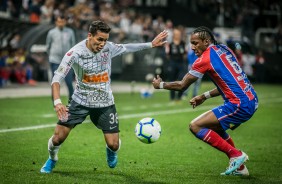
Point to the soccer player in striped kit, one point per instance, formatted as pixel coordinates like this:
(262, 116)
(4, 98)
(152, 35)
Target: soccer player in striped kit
(91, 62)
(240, 99)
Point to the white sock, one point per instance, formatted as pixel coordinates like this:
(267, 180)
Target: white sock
(53, 150)
(118, 145)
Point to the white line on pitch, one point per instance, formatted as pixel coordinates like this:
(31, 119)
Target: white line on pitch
(128, 116)
(133, 116)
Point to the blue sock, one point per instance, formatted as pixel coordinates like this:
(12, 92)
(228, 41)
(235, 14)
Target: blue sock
(224, 135)
(201, 134)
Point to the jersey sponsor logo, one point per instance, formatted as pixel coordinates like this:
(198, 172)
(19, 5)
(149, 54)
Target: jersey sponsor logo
(96, 78)
(98, 96)
(69, 53)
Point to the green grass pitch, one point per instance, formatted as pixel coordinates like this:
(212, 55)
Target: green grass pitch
(177, 157)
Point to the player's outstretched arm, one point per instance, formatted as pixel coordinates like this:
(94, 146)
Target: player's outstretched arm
(157, 81)
(160, 39)
(182, 85)
(198, 100)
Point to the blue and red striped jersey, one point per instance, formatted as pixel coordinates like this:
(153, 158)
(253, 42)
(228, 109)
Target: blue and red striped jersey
(220, 63)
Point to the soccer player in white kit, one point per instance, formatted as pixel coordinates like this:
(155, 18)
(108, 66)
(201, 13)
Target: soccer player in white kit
(91, 62)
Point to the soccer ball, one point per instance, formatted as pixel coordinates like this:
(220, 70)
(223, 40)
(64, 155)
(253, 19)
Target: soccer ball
(146, 93)
(148, 130)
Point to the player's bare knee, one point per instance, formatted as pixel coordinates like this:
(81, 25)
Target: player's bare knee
(57, 140)
(113, 146)
(193, 127)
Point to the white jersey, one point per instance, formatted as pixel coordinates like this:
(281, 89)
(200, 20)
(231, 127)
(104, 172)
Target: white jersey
(93, 71)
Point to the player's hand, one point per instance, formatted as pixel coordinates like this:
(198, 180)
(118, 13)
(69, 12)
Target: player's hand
(197, 100)
(160, 39)
(62, 112)
(156, 82)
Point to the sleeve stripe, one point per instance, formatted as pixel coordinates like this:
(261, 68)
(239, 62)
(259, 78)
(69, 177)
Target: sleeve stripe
(196, 73)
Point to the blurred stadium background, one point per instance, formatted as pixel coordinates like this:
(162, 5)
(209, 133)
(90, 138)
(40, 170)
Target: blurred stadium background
(255, 24)
(27, 123)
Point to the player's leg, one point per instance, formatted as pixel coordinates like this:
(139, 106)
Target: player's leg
(203, 128)
(112, 141)
(242, 170)
(231, 116)
(60, 135)
(225, 136)
(54, 143)
(76, 115)
(106, 119)
(112, 146)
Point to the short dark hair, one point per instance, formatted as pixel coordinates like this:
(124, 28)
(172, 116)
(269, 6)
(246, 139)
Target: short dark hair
(99, 26)
(61, 16)
(205, 33)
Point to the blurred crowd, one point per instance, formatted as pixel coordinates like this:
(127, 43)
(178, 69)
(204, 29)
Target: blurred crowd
(248, 15)
(14, 68)
(125, 22)
(128, 24)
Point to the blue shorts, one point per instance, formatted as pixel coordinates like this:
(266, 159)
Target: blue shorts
(230, 115)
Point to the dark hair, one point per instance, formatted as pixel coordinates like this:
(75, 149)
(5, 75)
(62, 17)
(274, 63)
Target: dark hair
(61, 16)
(98, 26)
(205, 33)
